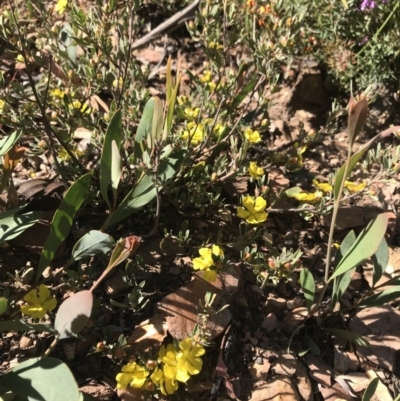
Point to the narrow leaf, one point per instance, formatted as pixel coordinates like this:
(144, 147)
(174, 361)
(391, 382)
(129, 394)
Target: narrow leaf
(370, 390)
(340, 174)
(349, 336)
(63, 219)
(9, 141)
(113, 133)
(243, 93)
(342, 282)
(91, 244)
(13, 225)
(144, 128)
(157, 122)
(358, 111)
(380, 299)
(116, 168)
(308, 285)
(365, 246)
(21, 325)
(41, 379)
(73, 314)
(380, 260)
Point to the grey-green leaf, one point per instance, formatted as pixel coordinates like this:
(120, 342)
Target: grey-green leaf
(342, 282)
(63, 219)
(381, 298)
(349, 336)
(9, 141)
(365, 246)
(21, 325)
(380, 260)
(91, 244)
(144, 127)
(42, 379)
(308, 285)
(370, 390)
(12, 225)
(113, 133)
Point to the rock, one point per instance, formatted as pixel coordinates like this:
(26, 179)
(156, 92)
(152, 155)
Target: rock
(98, 391)
(294, 319)
(259, 369)
(303, 382)
(116, 284)
(285, 365)
(341, 361)
(334, 393)
(276, 306)
(269, 323)
(25, 342)
(281, 388)
(319, 370)
(380, 326)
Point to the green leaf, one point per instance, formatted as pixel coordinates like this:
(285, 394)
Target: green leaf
(366, 245)
(73, 314)
(293, 191)
(63, 219)
(144, 192)
(19, 325)
(243, 93)
(42, 379)
(380, 260)
(9, 141)
(370, 390)
(144, 127)
(113, 133)
(381, 298)
(116, 168)
(308, 285)
(349, 336)
(358, 111)
(3, 305)
(158, 120)
(91, 244)
(340, 174)
(12, 225)
(67, 43)
(342, 282)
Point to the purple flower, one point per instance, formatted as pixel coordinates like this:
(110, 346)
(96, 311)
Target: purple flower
(370, 4)
(367, 4)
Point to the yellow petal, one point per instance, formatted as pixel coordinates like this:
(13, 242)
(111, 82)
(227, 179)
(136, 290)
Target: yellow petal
(217, 251)
(261, 217)
(260, 204)
(32, 297)
(210, 275)
(50, 304)
(182, 375)
(36, 311)
(170, 386)
(248, 202)
(44, 293)
(243, 213)
(197, 350)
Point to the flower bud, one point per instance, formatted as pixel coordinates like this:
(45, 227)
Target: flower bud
(100, 346)
(151, 364)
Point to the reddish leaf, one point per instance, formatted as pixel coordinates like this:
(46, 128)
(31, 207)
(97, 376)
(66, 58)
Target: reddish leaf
(73, 314)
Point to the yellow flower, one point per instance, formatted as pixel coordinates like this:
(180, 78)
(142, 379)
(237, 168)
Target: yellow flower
(57, 93)
(253, 209)
(207, 261)
(117, 84)
(354, 187)
(323, 186)
(218, 129)
(83, 108)
(255, 171)
(61, 6)
(195, 133)
(192, 113)
(2, 104)
(252, 136)
(183, 100)
(189, 358)
(308, 197)
(167, 386)
(20, 58)
(215, 45)
(39, 302)
(206, 77)
(211, 86)
(132, 374)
